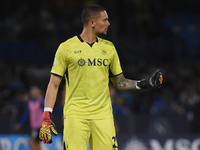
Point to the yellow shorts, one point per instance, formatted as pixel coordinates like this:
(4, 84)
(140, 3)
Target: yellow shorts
(100, 133)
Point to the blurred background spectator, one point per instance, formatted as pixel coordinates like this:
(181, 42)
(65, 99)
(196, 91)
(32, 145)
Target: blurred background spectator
(148, 34)
(33, 112)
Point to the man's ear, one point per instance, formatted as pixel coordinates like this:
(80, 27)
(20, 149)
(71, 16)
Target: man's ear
(92, 23)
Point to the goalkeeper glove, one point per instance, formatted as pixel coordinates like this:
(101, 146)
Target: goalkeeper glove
(47, 127)
(154, 81)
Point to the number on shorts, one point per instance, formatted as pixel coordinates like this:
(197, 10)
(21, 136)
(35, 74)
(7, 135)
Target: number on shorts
(115, 139)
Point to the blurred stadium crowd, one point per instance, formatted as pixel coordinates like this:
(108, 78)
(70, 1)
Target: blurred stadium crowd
(148, 34)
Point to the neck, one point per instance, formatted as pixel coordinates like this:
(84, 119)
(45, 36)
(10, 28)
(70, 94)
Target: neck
(88, 36)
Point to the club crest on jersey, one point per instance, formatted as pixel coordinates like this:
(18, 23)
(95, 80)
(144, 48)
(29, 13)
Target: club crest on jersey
(103, 51)
(81, 62)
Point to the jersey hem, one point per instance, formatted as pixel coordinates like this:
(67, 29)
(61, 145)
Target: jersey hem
(88, 117)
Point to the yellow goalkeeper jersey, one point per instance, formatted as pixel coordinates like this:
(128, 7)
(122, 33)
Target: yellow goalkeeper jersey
(86, 69)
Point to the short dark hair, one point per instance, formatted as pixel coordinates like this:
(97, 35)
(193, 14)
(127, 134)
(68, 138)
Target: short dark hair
(89, 12)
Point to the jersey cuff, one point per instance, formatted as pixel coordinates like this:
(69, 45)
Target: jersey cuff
(57, 75)
(115, 75)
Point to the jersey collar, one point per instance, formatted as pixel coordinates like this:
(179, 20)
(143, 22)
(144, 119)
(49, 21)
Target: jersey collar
(79, 37)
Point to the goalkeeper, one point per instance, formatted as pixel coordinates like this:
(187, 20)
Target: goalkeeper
(87, 62)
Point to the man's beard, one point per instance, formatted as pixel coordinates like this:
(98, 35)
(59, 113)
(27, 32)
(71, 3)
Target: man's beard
(102, 34)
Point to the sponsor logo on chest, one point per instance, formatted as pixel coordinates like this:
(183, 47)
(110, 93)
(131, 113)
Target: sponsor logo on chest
(92, 62)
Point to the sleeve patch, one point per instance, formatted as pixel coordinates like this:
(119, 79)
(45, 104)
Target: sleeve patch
(54, 62)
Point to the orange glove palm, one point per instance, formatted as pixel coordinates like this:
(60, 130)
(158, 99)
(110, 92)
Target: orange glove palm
(47, 127)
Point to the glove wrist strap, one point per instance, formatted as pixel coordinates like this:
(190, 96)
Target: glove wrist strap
(48, 109)
(141, 84)
(47, 116)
